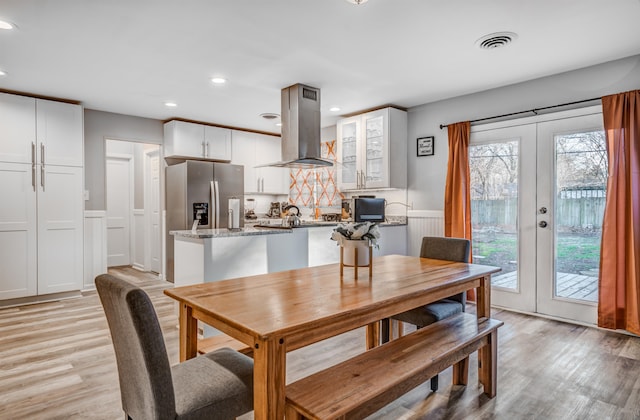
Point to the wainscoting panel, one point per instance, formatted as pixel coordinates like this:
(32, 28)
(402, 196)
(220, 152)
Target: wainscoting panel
(95, 246)
(137, 252)
(422, 223)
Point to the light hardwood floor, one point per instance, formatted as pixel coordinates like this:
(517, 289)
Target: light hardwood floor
(57, 362)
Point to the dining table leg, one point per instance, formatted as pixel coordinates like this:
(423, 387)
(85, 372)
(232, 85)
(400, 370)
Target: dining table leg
(483, 311)
(188, 333)
(269, 376)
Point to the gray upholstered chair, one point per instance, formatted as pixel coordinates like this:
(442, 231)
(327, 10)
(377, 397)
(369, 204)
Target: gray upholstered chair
(218, 385)
(450, 249)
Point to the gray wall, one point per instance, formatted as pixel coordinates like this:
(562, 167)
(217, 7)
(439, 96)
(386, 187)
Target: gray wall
(99, 126)
(427, 175)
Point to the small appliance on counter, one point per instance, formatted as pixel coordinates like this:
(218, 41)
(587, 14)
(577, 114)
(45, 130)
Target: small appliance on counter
(249, 209)
(368, 209)
(274, 210)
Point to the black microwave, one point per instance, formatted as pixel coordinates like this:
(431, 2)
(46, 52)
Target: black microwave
(368, 209)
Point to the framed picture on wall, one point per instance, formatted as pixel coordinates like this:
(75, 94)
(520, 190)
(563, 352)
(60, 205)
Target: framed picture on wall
(425, 146)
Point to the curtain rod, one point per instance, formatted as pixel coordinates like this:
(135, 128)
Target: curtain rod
(535, 111)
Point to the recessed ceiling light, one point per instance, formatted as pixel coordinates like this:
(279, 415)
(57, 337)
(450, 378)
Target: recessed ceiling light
(6, 25)
(3, 73)
(334, 109)
(218, 80)
(170, 104)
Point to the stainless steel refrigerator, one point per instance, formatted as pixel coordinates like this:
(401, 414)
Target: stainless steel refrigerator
(198, 190)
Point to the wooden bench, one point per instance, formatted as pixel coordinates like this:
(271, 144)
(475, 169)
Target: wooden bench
(364, 384)
(209, 344)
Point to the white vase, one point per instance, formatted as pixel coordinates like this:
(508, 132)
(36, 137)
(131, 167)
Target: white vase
(348, 249)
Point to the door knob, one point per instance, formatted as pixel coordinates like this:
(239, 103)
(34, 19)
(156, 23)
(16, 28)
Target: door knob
(542, 224)
(543, 210)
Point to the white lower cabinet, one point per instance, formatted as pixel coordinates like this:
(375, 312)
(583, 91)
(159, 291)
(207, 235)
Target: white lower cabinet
(41, 230)
(18, 232)
(60, 234)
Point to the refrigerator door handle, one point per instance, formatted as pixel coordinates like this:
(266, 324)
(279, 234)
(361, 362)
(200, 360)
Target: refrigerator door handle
(215, 205)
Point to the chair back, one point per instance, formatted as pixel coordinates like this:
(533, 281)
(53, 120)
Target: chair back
(146, 385)
(450, 249)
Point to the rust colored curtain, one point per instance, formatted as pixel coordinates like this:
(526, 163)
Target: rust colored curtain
(619, 290)
(457, 195)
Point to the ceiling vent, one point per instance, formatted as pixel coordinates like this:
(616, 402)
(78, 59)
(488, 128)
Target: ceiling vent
(270, 116)
(496, 40)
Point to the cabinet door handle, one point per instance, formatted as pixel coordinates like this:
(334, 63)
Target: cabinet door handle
(33, 177)
(42, 153)
(33, 153)
(203, 151)
(206, 150)
(42, 177)
(262, 184)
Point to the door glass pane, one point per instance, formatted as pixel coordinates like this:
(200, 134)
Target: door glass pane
(581, 179)
(494, 208)
(374, 149)
(348, 141)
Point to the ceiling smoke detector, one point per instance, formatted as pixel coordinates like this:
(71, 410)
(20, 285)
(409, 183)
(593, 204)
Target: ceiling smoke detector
(496, 40)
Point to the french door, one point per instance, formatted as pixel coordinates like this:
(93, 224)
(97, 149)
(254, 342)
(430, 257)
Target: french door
(538, 193)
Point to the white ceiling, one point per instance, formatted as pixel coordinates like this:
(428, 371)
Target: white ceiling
(131, 56)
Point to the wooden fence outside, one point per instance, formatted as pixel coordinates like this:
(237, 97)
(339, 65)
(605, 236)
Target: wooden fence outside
(583, 212)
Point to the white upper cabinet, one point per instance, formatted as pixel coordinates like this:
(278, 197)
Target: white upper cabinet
(59, 132)
(197, 141)
(251, 150)
(38, 131)
(17, 128)
(372, 150)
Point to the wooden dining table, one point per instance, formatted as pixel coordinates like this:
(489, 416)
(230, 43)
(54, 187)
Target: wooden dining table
(279, 312)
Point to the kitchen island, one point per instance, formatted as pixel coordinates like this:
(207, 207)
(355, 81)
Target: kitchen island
(218, 254)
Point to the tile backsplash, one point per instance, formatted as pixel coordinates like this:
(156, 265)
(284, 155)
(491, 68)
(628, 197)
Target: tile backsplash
(303, 182)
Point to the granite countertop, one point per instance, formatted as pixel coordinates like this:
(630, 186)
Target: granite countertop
(226, 233)
(251, 228)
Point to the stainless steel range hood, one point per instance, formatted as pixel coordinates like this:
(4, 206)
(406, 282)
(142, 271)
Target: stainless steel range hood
(301, 128)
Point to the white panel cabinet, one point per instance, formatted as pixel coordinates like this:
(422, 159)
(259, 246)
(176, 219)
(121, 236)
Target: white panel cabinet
(251, 150)
(372, 149)
(197, 141)
(60, 230)
(41, 184)
(17, 128)
(18, 235)
(59, 133)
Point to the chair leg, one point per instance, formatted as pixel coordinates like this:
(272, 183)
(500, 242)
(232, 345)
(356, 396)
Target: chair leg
(434, 383)
(385, 330)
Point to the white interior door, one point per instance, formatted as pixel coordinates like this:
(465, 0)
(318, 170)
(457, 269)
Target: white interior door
(538, 192)
(152, 210)
(119, 209)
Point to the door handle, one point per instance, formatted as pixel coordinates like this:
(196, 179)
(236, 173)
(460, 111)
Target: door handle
(42, 177)
(542, 224)
(33, 153)
(33, 177)
(42, 153)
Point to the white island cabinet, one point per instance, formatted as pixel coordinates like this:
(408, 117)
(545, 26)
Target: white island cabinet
(219, 254)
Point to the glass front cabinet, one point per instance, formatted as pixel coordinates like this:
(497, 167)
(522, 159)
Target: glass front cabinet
(372, 150)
